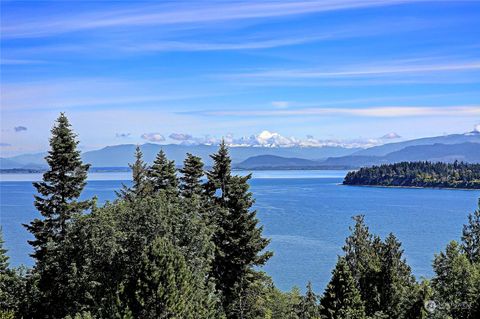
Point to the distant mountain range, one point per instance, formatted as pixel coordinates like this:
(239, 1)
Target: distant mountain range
(121, 155)
(448, 148)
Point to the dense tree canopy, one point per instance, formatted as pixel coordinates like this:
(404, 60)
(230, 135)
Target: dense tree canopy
(418, 174)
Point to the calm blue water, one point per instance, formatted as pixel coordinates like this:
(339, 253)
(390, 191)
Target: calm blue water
(305, 213)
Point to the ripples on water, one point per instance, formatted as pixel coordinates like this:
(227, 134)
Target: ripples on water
(305, 213)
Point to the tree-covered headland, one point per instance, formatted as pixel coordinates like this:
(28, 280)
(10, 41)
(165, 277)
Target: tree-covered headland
(418, 174)
(188, 245)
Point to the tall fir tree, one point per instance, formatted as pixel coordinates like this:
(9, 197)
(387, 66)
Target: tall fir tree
(456, 284)
(309, 308)
(238, 238)
(162, 174)
(471, 236)
(58, 203)
(10, 294)
(59, 191)
(362, 254)
(3, 254)
(397, 284)
(192, 172)
(219, 175)
(342, 299)
(141, 186)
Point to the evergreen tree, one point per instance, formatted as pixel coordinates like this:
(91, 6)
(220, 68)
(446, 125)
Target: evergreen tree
(342, 298)
(309, 305)
(192, 172)
(471, 236)
(3, 254)
(238, 238)
(362, 254)
(59, 206)
(166, 287)
(219, 175)
(397, 284)
(456, 284)
(162, 174)
(140, 183)
(12, 289)
(61, 186)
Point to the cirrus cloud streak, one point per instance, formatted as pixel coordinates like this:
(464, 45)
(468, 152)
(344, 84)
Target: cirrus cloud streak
(385, 111)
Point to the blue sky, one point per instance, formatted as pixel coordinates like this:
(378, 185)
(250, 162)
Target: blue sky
(319, 72)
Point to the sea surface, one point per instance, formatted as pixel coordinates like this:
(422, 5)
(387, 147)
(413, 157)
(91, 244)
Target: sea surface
(306, 214)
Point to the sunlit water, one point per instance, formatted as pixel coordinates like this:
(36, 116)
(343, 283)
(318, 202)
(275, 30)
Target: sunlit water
(306, 214)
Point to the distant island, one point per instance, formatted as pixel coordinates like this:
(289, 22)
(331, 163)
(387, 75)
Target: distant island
(418, 174)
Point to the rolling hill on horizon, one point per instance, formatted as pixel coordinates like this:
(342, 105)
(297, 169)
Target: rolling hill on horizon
(448, 148)
(121, 155)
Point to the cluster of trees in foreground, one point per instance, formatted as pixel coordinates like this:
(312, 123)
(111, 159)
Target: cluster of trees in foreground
(418, 174)
(188, 247)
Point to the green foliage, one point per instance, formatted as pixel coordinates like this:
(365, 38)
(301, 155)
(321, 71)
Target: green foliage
(58, 204)
(418, 174)
(105, 251)
(397, 283)
(61, 186)
(7, 314)
(471, 236)
(141, 186)
(238, 238)
(382, 276)
(362, 255)
(219, 175)
(12, 289)
(81, 315)
(166, 286)
(3, 254)
(456, 283)
(342, 299)
(192, 172)
(162, 174)
(308, 307)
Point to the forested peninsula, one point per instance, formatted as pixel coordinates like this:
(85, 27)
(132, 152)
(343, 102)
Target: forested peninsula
(418, 174)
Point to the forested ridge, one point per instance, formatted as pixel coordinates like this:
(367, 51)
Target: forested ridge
(418, 174)
(185, 246)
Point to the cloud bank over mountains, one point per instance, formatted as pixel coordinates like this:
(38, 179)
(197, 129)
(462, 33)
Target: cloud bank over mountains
(268, 139)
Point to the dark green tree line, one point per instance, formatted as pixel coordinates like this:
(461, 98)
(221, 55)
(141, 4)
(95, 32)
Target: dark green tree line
(418, 174)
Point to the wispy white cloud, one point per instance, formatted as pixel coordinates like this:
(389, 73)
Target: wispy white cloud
(65, 93)
(274, 139)
(153, 137)
(180, 136)
(385, 111)
(192, 14)
(281, 104)
(4, 61)
(356, 71)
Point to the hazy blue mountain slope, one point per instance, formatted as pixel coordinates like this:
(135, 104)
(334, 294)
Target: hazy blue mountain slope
(121, 155)
(432, 148)
(272, 161)
(468, 152)
(382, 150)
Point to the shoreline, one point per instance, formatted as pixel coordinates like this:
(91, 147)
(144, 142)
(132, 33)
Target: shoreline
(413, 187)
